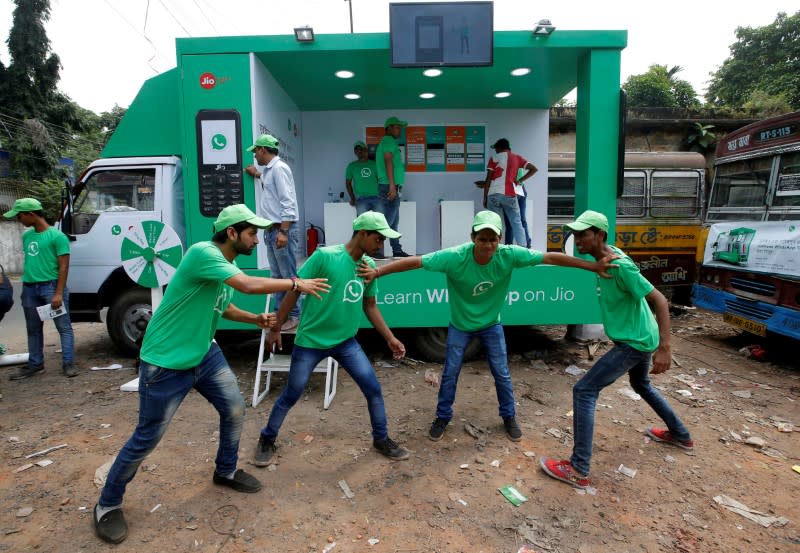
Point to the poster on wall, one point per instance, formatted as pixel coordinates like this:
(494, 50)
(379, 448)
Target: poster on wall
(455, 148)
(476, 148)
(415, 149)
(435, 139)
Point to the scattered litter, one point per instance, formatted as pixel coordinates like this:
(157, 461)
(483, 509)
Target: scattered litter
(756, 441)
(495, 463)
(569, 413)
(464, 503)
(131, 386)
(13, 439)
(694, 521)
(592, 347)
(348, 493)
(744, 394)
(540, 365)
(474, 430)
(26, 466)
(669, 458)
(574, 370)
(529, 454)
(105, 437)
(385, 364)
(735, 436)
(308, 438)
(25, 511)
(112, 367)
(329, 547)
(526, 549)
(65, 501)
(48, 450)
(101, 473)
(629, 393)
(457, 498)
(513, 495)
(44, 462)
(684, 393)
(156, 508)
(105, 425)
(784, 426)
(758, 517)
(584, 491)
(431, 377)
(555, 432)
(373, 541)
(688, 380)
(796, 468)
(629, 472)
(464, 466)
(702, 372)
(772, 452)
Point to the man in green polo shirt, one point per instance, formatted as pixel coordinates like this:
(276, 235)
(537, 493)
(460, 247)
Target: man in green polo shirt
(44, 282)
(391, 176)
(178, 354)
(478, 276)
(328, 326)
(361, 181)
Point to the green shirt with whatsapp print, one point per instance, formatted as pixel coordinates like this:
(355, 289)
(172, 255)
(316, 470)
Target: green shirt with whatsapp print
(388, 145)
(364, 176)
(42, 250)
(476, 292)
(626, 314)
(329, 321)
(180, 332)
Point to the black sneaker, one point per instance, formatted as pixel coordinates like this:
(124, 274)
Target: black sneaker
(437, 429)
(70, 370)
(512, 429)
(401, 253)
(390, 449)
(241, 482)
(378, 255)
(111, 527)
(264, 451)
(25, 372)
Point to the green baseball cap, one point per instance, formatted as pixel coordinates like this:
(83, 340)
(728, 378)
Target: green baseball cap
(238, 213)
(588, 219)
(487, 219)
(395, 121)
(372, 220)
(265, 140)
(359, 144)
(22, 205)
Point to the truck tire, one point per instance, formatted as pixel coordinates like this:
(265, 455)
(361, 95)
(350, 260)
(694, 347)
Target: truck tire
(127, 320)
(431, 343)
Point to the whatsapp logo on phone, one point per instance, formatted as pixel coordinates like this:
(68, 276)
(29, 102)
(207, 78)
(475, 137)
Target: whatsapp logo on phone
(219, 142)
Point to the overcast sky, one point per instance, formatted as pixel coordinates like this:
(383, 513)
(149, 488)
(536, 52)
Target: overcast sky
(109, 47)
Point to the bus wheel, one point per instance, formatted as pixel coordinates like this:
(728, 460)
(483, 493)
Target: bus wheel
(431, 343)
(127, 319)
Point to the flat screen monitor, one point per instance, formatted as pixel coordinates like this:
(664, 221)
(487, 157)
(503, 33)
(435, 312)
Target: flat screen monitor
(441, 34)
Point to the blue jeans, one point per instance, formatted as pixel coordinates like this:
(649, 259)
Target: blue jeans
(161, 391)
(509, 207)
(391, 210)
(282, 262)
(620, 360)
(352, 359)
(493, 341)
(368, 203)
(521, 200)
(33, 296)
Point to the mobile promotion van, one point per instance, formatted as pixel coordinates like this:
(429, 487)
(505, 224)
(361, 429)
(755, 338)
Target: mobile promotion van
(178, 154)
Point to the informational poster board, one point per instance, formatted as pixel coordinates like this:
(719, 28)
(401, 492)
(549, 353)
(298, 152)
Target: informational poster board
(763, 247)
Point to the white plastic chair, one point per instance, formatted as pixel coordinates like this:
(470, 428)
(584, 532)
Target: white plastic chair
(281, 363)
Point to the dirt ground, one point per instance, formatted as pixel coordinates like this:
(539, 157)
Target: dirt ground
(445, 498)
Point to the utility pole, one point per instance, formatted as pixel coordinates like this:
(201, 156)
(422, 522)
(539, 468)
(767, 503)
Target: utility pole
(350, 4)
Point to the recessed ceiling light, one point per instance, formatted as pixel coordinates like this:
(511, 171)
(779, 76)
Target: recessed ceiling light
(520, 71)
(502, 95)
(352, 96)
(344, 74)
(432, 72)
(427, 95)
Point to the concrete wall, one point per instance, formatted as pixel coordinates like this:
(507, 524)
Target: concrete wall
(11, 246)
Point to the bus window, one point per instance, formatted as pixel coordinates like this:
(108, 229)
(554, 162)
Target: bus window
(742, 184)
(787, 188)
(632, 201)
(560, 195)
(675, 194)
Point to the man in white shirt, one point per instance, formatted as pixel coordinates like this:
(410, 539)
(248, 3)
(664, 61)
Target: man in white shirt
(279, 204)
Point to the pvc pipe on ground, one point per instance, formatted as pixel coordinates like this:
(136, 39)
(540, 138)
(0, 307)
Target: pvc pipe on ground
(13, 359)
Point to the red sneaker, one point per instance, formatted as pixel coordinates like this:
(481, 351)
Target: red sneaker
(663, 435)
(563, 470)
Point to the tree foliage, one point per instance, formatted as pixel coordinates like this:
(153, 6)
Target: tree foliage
(765, 59)
(660, 87)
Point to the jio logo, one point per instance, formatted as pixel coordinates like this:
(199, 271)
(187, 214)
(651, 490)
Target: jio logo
(208, 80)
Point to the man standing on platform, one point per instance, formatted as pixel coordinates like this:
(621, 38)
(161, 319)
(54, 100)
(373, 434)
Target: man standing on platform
(391, 176)
(361, 181)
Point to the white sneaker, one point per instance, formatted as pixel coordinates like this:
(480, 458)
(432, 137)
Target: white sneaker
(290, 324)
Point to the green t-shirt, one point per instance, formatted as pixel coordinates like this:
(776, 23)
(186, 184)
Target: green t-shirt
(364, 176)
(626, 314)
(180, 332)
(329, 321)
(388, 144)
(42, 250)
(476, 292)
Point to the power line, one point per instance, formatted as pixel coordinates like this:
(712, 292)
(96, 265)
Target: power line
(205, 16)
(132, 26)
(174, 18)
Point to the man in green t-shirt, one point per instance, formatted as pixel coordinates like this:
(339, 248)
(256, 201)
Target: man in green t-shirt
(478, 276)
(44, 282)
(179, 354)
(638, 337)
(361, 181)
(328, 327)
(391, 176)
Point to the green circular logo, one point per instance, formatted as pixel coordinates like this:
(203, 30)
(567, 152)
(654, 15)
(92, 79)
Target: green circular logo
(116, 229)
(218, 141)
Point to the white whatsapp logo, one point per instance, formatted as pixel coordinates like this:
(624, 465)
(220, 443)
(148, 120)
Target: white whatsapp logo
(366, 172)
(482, 287)
(353, 291)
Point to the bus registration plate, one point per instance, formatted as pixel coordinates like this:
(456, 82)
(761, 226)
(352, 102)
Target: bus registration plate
(746, 324)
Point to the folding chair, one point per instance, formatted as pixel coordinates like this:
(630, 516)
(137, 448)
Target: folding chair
(281, 363)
